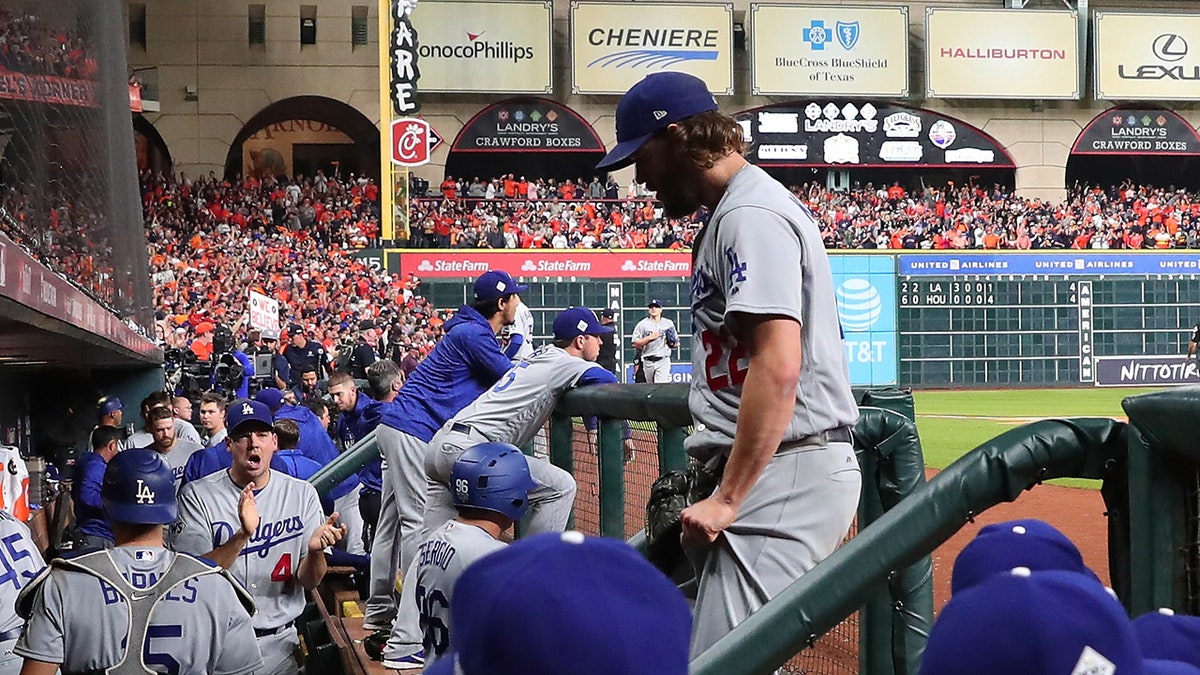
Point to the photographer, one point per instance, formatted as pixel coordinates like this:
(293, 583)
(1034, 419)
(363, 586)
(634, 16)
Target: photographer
(226, 375)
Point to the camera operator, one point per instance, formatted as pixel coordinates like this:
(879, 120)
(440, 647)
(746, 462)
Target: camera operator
(226, 375)
(280, 370)
(310, 388)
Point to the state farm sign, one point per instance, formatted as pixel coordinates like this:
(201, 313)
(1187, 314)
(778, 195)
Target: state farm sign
(549, 263)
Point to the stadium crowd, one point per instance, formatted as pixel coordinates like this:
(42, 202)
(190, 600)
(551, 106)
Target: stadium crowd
(30, 45)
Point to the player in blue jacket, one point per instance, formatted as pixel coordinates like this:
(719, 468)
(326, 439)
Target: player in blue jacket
(465, 363)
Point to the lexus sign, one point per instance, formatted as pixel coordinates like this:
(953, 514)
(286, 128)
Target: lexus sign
(1147, 56)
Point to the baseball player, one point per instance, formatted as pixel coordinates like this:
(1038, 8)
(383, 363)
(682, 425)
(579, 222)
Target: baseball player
(519, 334)
(111, 413)
(137, 606)
(144, 437)
(212, 418)
(86, 483)
(492, 486)
(770, 392)
(22, 562)
(176, 451)
(463, 364)
(654, 337)
(262, 526)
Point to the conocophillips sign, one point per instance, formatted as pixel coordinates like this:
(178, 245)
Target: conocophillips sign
(614, 45)
(485, 47)
(1147, 56)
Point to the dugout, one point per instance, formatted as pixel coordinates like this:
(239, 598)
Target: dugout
(1143, 145)
(526, 136)
(841, 143)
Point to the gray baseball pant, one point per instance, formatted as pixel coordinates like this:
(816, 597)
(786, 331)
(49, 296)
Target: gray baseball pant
(795, 516)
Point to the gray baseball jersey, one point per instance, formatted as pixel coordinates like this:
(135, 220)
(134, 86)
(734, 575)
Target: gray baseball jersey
(178, 457)
(21, 562)
(523, 325)
(762, 253)
(184, 431)
(200, 627)
(290, 513)
(517, 406)
(441, 560)
(658, 346)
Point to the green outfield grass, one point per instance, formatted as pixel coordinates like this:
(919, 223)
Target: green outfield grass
(951, 423)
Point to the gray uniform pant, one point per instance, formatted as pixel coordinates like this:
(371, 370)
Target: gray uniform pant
(657, 372)
(350, 516)
(10, 663)
(795, 516)
(279, 653)
(550, 503)
(401, 513)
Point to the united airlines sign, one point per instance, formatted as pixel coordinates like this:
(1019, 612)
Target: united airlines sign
(614, 45)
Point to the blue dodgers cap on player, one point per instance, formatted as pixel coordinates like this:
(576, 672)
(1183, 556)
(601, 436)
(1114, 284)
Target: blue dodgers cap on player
(659, 100)
(1028, 543)
(108, 405)
(495, 284)
(271, 397)
(1165, 635)
(139, 487)
(575, 321)
(566, 604)
(244, 413)
(1033, 623)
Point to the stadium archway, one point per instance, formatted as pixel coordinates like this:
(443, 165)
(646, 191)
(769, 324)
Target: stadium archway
(1149, 146)
(527, 136)
(839, 143)
(150, 148)
(302, 134)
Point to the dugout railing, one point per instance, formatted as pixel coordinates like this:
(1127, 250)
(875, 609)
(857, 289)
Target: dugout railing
(883, 634)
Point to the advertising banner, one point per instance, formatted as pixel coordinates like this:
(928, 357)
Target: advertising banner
(1081, 263)
(527, 125)
(615, 44)
(865, 289)
(842, 51)
(572, 263)
(264, 312)
(976, 53)
(28, 282)
(839, 132)
(1145, 371)
(48, 89)
(1137, 131)
(1142, 56)
(485, 47)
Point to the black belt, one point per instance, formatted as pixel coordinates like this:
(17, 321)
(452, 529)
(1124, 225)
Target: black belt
(652, 359)
(11, 634)
(838, 435)
(264, 632)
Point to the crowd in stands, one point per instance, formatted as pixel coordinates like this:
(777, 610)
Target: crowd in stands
(30, 45)
(516, 213)
(210, 241)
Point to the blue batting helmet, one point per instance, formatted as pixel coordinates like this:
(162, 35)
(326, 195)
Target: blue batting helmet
(139, 488)
(493, 477)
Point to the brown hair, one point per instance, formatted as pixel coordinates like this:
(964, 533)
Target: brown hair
(706, 137)
(288, 433)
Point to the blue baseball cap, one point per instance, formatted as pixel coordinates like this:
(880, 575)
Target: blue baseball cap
(575, 321)
(566, 604)
(269, 396)
(1016, 543)
(659, 100)
(495, 284)
(1168, 636)
(108, 405)
(1033, 623)
(246, 412)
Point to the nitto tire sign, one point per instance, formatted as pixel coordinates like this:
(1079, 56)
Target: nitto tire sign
(1131, 371)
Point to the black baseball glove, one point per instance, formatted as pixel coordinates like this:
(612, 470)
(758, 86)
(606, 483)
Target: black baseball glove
(673, 492)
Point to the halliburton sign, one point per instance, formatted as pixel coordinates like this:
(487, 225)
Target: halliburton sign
(575, 263)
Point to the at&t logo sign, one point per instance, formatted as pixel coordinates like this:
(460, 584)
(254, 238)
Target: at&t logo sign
(413, 141)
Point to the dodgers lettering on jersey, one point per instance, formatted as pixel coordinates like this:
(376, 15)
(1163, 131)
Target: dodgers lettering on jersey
(199, 627)
(517, 406)
(20, 562)
(290, 514)
(178, 458)
(762, 253)
(441, 560)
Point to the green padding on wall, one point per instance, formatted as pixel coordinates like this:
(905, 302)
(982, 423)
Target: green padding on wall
(996, 471)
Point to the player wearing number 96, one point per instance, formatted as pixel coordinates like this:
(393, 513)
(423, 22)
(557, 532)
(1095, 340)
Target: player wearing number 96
(265, 527)
(771, 398)
(491, 492)
(178, 614)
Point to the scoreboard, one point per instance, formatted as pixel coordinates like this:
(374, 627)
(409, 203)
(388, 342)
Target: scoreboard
(1100, 318)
